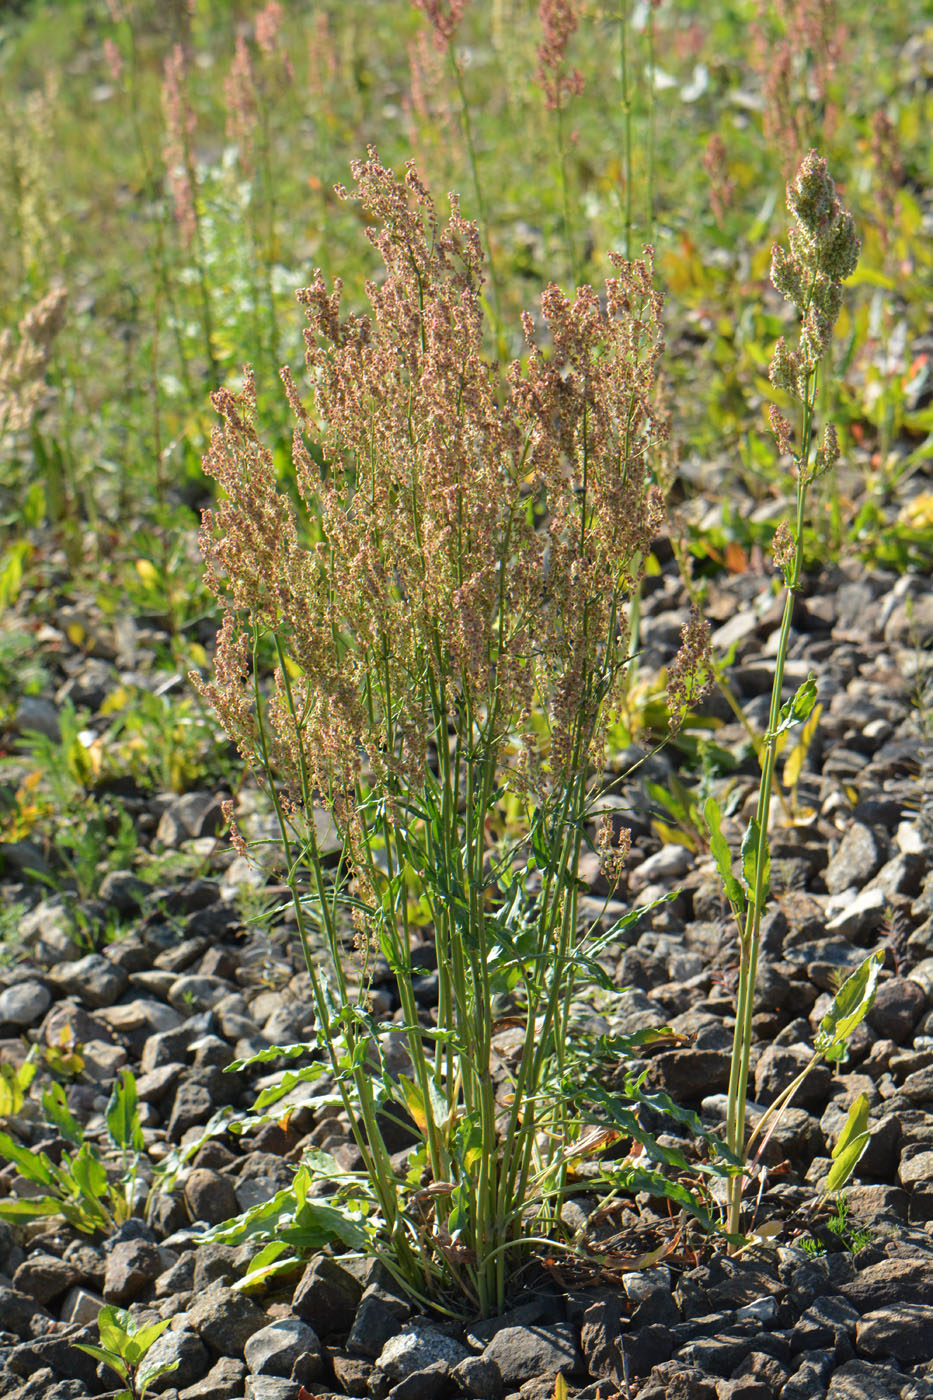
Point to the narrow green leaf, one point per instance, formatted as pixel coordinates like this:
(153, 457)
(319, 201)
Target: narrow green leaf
(148, 1374)
(55, 1106)
(272, 1052)
(855, 1125)
(16, 1210)
(109, 1358)
(34, 1166)
(845, 1163)
(796, 710)
(850, 1005)
(145, 1337)
(123, 1116)
(722, 855)
(750, 845)
(289, 1081)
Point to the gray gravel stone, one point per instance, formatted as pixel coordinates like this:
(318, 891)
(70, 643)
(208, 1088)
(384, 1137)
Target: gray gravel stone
(224, 1381)
(44, 1277)
(211, 1196)
(95, 979)
(327, 1297)
(131, 1266)
(191, 992)
(903, 1331)
(378, 1317)
(275, 1350)
(25, 1003)
(224, 1319)
(185, 1347)
(269, 1388)
(524, 1353)
(859, 1380)
(860, 856)
(417, 1347)
(80, 1305)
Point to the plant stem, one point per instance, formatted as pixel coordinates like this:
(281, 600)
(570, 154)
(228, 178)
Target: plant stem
(750, 940)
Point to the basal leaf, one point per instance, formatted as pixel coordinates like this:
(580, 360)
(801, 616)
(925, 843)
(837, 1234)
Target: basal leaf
(123, 1115)
(34, 1166)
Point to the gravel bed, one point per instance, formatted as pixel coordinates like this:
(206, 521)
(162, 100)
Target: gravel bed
(187, 988)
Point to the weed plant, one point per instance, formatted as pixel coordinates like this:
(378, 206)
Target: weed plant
(451, 664)
(454, 636)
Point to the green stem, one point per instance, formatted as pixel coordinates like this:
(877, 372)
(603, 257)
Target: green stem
(750, 941)
(626, 123)
(480, 201)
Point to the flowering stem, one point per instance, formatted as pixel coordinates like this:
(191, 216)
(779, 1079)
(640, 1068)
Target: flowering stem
(750, 942)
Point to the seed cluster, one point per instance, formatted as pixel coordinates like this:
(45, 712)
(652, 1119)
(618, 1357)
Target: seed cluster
(470, 538)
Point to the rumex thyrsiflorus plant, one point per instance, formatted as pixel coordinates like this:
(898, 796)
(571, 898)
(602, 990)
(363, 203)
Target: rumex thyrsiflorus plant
(447, 612)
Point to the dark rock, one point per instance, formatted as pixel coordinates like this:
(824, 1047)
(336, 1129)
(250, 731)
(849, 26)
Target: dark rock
(858, 1380)
(743, 1388)
(284, 1348)
(779, 1065)
(224, 1381)
(825, 1320)
(59, 1352)
(764, 1368)
(809, 1380)
(524, 1353)
(905, 1279)
(124, 892)
(45, 1277)
(192, 992)
(599, 1339)
(184, 1347)
(378, 1317)
(477, 1377)
(167, 1213)
(210, 1196)
(690, 1074)
(353, 1372)
(219, 1263)
(131, 1266)
(95, 979)
(430, 1383)
(719, 1354)
(224, 1319)
(25, 1003)
(898, 1006)
(860, 856)
(193, 815)
(178, 1279)
(744, 1284)
(67, 1018)
(268, 1388)
(327, 1297)
(671, 1380)
(903, 1331)
(17, 1311)
(164, 1048)
(192, 1106)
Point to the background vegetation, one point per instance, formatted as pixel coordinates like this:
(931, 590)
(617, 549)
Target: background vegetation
(166, 183)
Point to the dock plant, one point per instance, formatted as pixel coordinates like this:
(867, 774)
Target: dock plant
(823, 252)
(446, 618)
